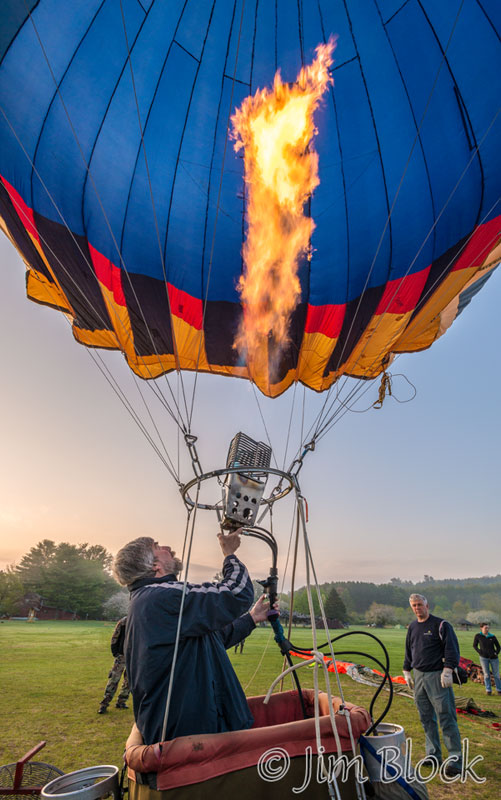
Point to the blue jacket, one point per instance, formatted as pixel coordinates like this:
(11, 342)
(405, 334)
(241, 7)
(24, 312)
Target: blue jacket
(206, 696)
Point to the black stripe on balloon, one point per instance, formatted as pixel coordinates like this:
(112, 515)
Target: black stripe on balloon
(283, 359)
(356, 320)
(71, 263)
(439, 270)
(146, 298)
(19, 234)
(221, 323)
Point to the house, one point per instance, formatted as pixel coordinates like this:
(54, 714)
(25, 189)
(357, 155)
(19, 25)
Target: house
(32, 606)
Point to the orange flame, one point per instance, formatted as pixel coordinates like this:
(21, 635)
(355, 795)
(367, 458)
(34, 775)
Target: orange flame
(275, 128)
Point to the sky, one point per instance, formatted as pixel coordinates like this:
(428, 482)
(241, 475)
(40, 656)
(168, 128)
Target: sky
(404, 491)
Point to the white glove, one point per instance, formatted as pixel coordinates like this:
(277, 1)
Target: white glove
(446, 678)
(409, 679)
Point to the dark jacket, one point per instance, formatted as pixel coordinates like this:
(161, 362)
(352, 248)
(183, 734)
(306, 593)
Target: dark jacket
(486, 646)
(206, 695)
(118, 638)
(431, 645)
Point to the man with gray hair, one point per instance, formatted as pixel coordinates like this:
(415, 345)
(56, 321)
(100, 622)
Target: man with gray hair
(206, 696)
(432, 651)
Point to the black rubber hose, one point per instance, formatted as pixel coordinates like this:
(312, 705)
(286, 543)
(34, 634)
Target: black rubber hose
(386, 677)
(386, 669)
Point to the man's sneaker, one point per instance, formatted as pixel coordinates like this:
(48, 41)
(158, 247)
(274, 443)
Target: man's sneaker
(102, 709)
(431, 761)
(491, 692)
(451, 770)
(122, 705)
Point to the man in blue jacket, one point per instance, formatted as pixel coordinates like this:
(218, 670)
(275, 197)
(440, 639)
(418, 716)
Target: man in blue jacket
(432, 651)
(206, 695)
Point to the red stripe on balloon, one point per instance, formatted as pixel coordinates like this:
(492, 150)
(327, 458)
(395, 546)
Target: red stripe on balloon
(326, 319)
(25, 213)
(186, 307)
(482, 241)
(402, 294)
(109, 275)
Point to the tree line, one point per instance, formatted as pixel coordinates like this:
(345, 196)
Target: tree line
(457, 600)
(77, 578)
(72, 578)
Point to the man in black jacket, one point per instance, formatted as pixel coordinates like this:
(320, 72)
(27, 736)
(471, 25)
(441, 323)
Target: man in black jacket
(487, 646)
(432, 651)
(117, 650)
(205, 695)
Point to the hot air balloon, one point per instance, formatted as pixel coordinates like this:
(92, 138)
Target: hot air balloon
(123, 191)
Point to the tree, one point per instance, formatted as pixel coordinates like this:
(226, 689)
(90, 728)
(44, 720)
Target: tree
(441, 600)
(11, 591)
(334, 606)
(484, 615)
(460, 611)
(400, 582)
(116, 606)
(403, 615)
(96, 552)
(301, 605)
(68, 577)
(33, 566)
(380, 615)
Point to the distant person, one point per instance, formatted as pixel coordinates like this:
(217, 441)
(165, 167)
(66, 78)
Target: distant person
(117, 649)
(432, 651)
(240, 645)
(488, 648)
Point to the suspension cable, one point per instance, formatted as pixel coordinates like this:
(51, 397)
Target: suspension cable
(218, 206)
(98, 197)
(155, 217)
(180, 617)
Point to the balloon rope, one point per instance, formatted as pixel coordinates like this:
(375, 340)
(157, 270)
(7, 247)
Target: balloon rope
(320, 749)
(404, 173)
(105, 369)
(323, 422)
(293, 581)
(326, 426)
(309, 562)
(218, 206)
(291, 416)
(155, 217)
(180, 617)
(70, 277)
(284, 577)
(98, 197)
(133, 413)
(264, 422)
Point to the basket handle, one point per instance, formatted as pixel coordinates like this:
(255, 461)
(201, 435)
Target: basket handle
(22, 761)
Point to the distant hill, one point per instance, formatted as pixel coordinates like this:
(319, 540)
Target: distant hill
(452, 598)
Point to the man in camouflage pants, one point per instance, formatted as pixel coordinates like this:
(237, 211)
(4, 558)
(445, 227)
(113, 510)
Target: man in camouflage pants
(117, 649)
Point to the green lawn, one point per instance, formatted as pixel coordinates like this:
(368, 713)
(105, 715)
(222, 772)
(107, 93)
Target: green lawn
(52, 677)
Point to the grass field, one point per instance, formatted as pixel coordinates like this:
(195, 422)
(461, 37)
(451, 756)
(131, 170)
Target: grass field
(52, 677)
